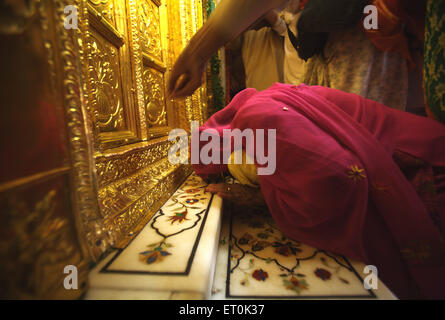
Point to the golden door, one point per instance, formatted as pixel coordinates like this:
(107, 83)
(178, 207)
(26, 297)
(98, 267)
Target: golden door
(85, 123)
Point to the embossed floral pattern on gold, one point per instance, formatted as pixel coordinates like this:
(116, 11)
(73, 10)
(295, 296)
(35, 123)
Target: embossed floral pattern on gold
(154, 97)
(105, 8)
(150, 28)
(99, 71)
(107, 94)
(38, 243)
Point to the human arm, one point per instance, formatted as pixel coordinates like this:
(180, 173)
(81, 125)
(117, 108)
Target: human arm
(229, 19)
(276, 22)
(235, 45)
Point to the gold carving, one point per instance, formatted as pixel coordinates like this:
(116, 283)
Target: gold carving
(114, 198)
(110, 91)
(113, 104)
(106, 91)
(154, 98)
(131, 221)
(120, 165)
(80, 137)
(149, 28)
(38, 230)
(115, 90)
(104, 8)
(108, 76)
(136, 57)
(39, 243)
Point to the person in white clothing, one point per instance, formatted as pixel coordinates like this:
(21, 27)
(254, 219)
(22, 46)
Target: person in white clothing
(293, 66)
(261, 50)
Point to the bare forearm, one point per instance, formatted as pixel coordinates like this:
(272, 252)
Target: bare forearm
(230, 19)
(271, 17)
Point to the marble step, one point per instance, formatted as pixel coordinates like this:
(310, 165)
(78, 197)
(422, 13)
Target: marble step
(173, 257)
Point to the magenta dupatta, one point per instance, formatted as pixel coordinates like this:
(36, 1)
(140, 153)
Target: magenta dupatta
(337, 187)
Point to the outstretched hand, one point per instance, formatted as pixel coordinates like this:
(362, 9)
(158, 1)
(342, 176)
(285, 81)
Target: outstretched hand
(230, 18)
(186, 75)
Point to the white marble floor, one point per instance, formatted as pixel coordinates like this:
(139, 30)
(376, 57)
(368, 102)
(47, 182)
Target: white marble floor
(183, 253)
(173, 257)
(264, 264)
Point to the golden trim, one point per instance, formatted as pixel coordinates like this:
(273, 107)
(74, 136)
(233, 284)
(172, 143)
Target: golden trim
(38, 177)
(106, 29)
(135, 56)
(122, 162)
(114, 139)
(126, 227)
(112, 199)
(158, 132)
(153, 62)
(71, 61)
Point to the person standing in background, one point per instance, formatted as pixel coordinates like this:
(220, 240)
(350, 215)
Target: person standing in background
(255, 58)
(229, 19)
(262, 53)
(266, 57)
(401, 29)
(344, 58)
(294, 66)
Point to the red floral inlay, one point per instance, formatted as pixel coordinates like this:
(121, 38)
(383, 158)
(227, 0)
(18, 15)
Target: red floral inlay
(178, 217)
(323, 274)
(192, 190)
(260, 275)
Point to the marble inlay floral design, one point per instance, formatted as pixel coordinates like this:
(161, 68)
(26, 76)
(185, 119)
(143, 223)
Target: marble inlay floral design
(264, 263)
(168, 242)
(183, 200)
(156, 254)
(295, 284)
(190, 196)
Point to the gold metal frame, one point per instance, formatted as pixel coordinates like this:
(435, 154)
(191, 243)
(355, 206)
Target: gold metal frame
(133, 177)
(118, 173)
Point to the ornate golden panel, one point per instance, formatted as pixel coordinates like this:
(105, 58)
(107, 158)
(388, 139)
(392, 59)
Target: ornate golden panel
(154, 98)
(41, 198)
(150, 28)
(154, 38)
(112, 105)
(107, 97)
(106, 10)
(134, 177)
(101, 87)
(40, 241)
